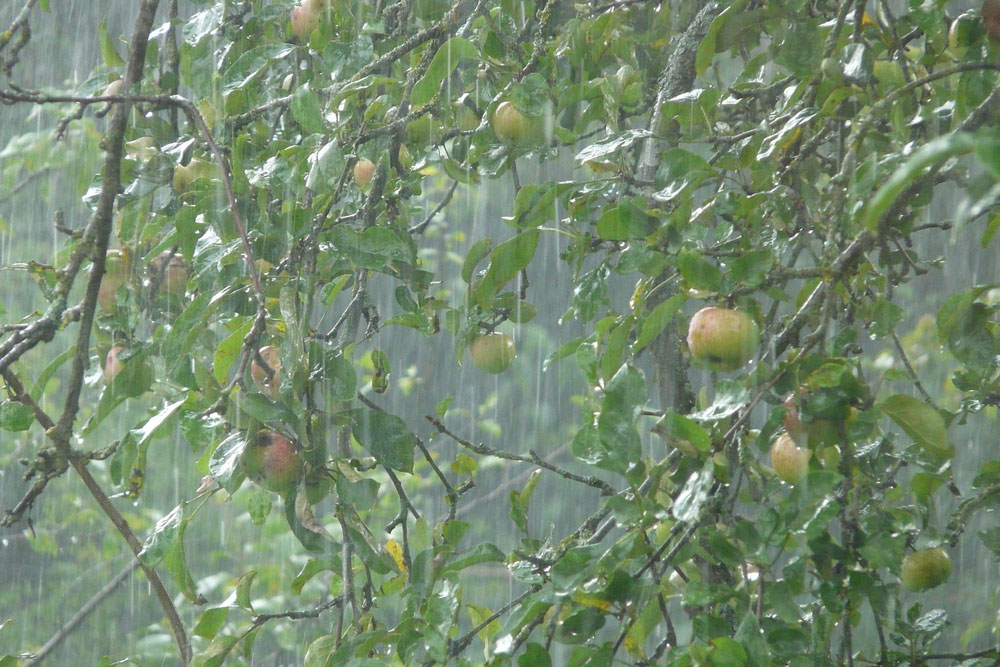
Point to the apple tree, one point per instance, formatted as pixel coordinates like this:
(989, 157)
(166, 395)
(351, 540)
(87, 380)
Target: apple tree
(508, 332)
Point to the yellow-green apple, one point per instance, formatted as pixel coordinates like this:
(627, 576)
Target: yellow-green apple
(492, 352)
(364, 170)
(271, 461)
(790, 462)
(272, 357)
(185, 175)
(925, 569)
(512, 126)
(722, 339)
(115, 273)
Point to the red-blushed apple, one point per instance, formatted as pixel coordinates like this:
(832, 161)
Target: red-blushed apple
(271, 461)
(115, 273)
(492, 352)
(305, 18)
(272, 357)
(512, 126)
(722, 339)
(173, 278)
(925, 569)
(364, 170)
(790, 462)
(112, 364)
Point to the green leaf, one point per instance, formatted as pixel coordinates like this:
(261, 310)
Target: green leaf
(624, 397)
(698, 272)
(658, 319)
(163, 537)
(306, 110)
(225, 460)
(444, 63)
(506, 261)
(16, 416)
(229, 350)
(109, 54)
(210, 622)
(931, 153)
(687, 506)
(387, 437)
(919, 421)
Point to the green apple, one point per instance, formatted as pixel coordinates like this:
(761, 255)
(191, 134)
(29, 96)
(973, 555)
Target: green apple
(364, 171)
(112, 364)
(271, 461)
(115, 274)
(790, 462)
(722, 339)
(493, 352)
(513, 127)
(925, 569)
(272, 357)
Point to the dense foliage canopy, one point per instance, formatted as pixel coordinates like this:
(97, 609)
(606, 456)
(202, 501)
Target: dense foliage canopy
(290, 225)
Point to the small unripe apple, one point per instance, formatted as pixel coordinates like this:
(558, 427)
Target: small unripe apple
(512, 126)
(364, 171)
(271, 461)
(493, 352)
(790, 462)
(272, 356)
(114, 277)
(925, 569)
(722, 339)
(112, 364)
(174, 278)
(305, 19)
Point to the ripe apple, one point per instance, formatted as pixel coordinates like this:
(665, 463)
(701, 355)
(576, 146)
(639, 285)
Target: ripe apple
(790, 462)
(925, 569)
(272, 356)
(112, 364)
(305, 18)
(173, 279)
(364, 170)
(271, 461)
(114, 277)
(722, 339)
(813, 434)
(512, 126)
(493, 352)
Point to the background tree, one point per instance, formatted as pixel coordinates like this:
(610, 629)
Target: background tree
(283, 231)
